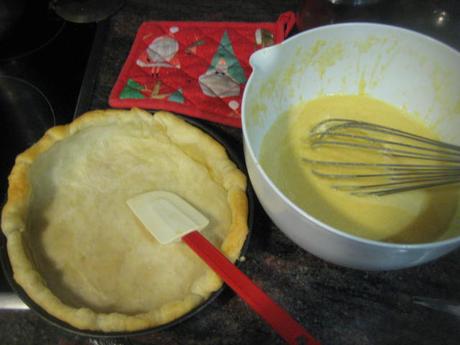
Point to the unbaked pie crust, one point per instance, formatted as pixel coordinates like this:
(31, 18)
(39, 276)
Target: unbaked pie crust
(80, 253)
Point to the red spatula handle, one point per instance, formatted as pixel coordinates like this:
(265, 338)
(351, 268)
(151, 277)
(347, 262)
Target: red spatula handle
(278, 318)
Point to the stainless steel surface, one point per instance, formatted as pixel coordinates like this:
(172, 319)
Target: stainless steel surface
(438, 304)
(86, 11)
(354, 2)
(11, 301)
(410, 161)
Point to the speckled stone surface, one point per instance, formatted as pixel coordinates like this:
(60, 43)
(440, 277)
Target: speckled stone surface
(339, 306)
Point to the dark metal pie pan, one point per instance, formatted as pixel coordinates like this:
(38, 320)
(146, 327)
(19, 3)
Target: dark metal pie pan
(237, 157)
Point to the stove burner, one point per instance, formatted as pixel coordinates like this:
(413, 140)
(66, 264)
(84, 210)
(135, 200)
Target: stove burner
(86, 11)
(37, 58)
(25, 115)
(29, 28)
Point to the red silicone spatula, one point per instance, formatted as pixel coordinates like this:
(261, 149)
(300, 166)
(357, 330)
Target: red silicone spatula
(168, 217)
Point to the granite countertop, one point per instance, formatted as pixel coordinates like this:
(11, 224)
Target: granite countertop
(339, 306)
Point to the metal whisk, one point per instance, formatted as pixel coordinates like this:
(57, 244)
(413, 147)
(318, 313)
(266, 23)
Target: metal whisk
(402, 161)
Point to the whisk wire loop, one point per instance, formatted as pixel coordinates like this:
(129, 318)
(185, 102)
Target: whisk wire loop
(442, 159)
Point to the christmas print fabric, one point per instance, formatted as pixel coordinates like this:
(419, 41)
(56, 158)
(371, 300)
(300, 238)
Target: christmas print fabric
(194, 68)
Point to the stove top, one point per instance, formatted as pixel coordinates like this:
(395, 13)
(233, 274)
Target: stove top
(43, 61)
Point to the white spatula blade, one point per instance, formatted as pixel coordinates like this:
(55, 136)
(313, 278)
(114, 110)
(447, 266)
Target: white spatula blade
(167, 216)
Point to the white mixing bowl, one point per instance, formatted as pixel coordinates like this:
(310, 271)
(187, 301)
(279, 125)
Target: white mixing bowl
(398, 66)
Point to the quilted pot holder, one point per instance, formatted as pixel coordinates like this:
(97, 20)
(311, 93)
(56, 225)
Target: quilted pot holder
(194, 68)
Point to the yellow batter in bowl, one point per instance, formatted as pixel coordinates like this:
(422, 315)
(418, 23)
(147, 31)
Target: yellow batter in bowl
(412, 217)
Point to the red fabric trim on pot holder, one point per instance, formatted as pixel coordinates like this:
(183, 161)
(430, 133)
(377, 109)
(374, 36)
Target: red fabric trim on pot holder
(194, 68)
